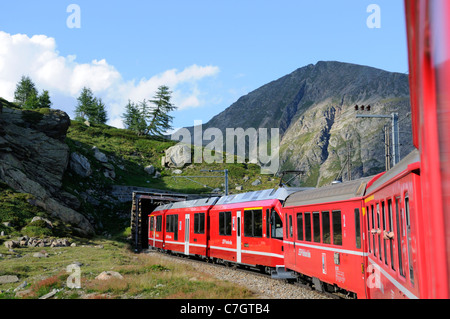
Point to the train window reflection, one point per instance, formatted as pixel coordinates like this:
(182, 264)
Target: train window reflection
(316, 226)
(253, 223)
(276, 225)
(308, 226)
(225, 223)
(337, 228)
(326, 228)
(300, 226)
(357, 228)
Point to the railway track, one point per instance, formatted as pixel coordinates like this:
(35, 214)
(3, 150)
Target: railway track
(252, 278)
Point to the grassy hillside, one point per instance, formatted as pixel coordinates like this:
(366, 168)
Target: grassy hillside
(131, 153)
(144, 276)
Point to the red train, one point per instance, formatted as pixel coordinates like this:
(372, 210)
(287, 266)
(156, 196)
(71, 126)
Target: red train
(359, 237)
(245, 229)
(386, 236)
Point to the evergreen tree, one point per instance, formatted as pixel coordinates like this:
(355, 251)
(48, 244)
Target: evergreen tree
(147, 120)
(86, 105)
(90, 108)
(100, 116)
(32, 101)
(133, 118)
(44, 100)
(25, 90)
(160, 120)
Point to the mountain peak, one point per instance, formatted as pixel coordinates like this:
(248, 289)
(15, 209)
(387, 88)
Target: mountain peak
(314, 109)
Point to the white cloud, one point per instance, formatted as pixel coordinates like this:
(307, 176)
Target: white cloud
(38, 58)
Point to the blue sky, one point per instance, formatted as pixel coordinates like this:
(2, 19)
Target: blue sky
(209, 52)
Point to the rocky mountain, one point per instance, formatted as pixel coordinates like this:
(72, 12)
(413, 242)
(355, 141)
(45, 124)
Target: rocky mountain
(314, 109)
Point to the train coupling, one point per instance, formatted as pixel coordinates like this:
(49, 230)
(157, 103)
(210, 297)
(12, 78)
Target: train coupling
(280, 272)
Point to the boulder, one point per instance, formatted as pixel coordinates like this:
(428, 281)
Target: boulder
(10, 244)
(256, 182)
(8, 279)
(80, 164)
(106, 275)
(36, 218)
(150, 170)
(101, 157)
(177, 156)
(157, 175)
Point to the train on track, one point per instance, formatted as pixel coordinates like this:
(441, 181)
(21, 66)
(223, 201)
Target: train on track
(384, 236)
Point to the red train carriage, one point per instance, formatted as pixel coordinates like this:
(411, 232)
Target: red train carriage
(428, 33)
(393, 223)
(156, 230)
(186, 228)
(248, 229)
(324, 242)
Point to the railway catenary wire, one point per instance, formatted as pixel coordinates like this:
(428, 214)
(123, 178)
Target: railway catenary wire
(255, 280)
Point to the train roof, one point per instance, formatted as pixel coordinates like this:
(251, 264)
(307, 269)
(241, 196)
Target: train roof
(276, 193)
(190, 203)
(411, 158)
(332, 193)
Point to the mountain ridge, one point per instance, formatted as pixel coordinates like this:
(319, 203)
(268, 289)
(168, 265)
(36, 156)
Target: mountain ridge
(312, 100)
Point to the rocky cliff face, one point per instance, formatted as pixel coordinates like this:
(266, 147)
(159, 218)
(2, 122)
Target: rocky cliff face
(33, 159)
(314, 108)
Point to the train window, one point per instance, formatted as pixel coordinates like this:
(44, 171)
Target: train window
(152, 223)
(199, 223)
(337, 228)
(326, 234)
(276, 225)
(253, 223)
(291, 231)
(383, 220)
(357, 228)
(308, 226)
(408, 232)
(168, 223)
(399, 236)
(267, 223)
(316, 226)
(158, 223)
(373, 235)
(172, 225)
(300, 226)
(368, 228)
(391, 242)
(378, 227)
(175, 228)
(287, 226)
(225, 223)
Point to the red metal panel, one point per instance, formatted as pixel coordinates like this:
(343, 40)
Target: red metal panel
(387, 279)
(428, 46)
(337, 264)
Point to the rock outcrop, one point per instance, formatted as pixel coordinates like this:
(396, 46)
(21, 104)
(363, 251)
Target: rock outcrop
(33, 159)
(177, 156)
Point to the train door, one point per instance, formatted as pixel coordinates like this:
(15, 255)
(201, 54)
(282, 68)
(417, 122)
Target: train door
(289, 242)
(186, 234)
(238, 237)
(153, 229)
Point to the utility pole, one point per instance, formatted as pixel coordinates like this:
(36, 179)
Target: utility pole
(395, 133)
(387, 147)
